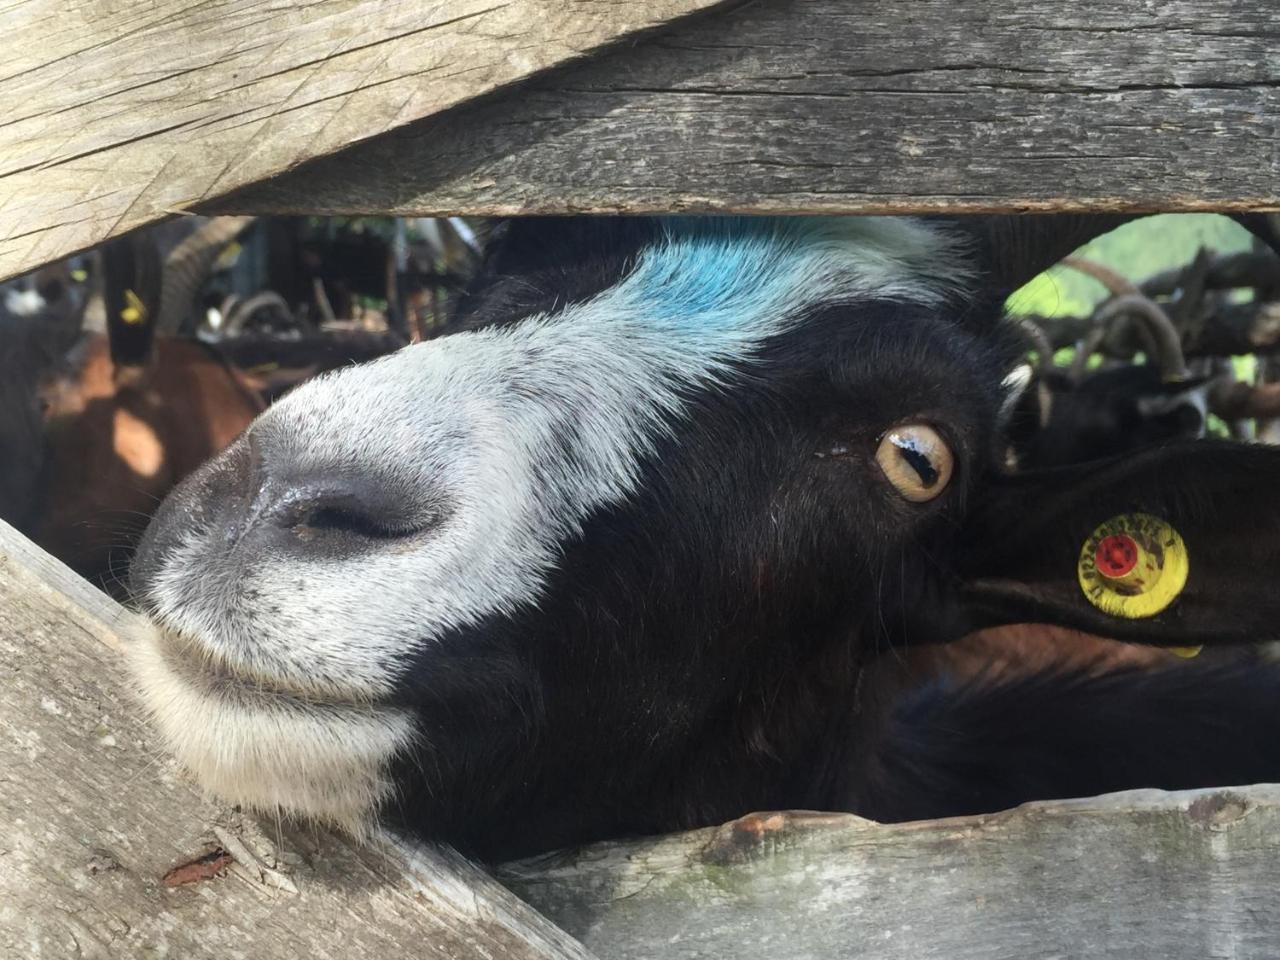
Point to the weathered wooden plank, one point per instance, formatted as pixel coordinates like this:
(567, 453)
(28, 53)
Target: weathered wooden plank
(1180, 876)
(93, 816)
(116, 113)
(831, 106)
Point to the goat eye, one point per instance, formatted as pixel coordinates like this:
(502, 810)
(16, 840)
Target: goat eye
(916, 460)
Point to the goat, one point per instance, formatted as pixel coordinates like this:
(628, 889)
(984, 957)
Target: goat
(117, 439)
(1072, 416)
(1069, 417)
(640, 551)
(97, 429)
(37, 326)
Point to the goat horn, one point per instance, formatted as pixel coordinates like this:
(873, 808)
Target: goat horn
(1085, 348)
(1168, 344)
(187, 268)
(1128, 298)
(1039, 341)
(237, 315)
(1117, 285)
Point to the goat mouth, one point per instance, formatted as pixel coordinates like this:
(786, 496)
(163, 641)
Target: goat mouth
(268, 746)
(203, 669)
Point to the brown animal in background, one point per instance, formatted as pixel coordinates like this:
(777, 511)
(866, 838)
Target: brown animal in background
(117, 440)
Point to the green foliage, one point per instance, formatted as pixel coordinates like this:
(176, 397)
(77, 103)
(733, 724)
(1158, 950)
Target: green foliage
(1245, 367)
(1216, 427)
(1137, 250)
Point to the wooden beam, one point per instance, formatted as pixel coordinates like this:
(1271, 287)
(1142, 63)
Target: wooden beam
(117, 113)
(831, 106)
(1180, 876)
(96, 823)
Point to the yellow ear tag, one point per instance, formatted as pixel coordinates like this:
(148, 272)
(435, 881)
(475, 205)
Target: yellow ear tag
(135, 311)
(1133, 566)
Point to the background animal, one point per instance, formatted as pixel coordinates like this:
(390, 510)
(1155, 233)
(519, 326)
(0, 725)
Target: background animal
(117, 439)
(642, 548)
(1069, 415)
(37, 326)
(95, 428)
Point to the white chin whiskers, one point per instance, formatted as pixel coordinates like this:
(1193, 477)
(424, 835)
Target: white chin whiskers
(264, 749)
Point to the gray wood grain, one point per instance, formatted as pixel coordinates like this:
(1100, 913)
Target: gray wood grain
(93, 815)
(1132, 876)
(831, 106)
(117, 113)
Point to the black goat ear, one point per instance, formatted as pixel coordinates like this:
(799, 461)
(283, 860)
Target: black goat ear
(1176, 546)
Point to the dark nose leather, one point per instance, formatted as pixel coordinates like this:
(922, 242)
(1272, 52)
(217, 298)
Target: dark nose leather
(252, 501)
(215, 497)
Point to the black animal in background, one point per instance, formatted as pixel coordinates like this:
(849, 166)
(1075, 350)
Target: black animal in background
(37, 326)
(1061, 420)
(1071, 415)
(635, 553)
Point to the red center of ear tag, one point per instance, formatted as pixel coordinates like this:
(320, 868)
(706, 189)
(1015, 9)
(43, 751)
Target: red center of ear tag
(1133, 566)
(1116, 555)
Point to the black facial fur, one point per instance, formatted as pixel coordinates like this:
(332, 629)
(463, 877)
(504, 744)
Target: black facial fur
(680, 631)
(725, 638)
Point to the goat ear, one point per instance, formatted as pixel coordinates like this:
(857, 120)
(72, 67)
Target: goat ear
(1030, 543)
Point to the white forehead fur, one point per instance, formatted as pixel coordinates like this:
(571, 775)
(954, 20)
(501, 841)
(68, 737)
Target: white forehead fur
(520, 433)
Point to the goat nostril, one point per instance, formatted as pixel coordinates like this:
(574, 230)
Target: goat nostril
(314, 518)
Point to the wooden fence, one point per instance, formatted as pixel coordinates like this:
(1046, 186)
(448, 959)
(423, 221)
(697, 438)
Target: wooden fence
(118, 114)
(125, 113)
(108, 850)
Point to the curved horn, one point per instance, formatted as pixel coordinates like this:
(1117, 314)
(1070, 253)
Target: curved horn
(1039, 341)
(1128, 298)
(1168, 344)
(236, 316)
(187, 268)
(1117, 285)
(1086, 347)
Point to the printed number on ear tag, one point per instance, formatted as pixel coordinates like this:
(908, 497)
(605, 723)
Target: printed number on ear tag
(1133, 566)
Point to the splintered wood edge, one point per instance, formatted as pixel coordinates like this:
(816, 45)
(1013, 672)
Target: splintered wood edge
(1179, 875)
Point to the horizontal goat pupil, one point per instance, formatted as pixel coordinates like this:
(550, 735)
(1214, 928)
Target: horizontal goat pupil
(917, 460)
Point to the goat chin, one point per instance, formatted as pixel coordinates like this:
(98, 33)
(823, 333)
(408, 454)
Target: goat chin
(266, 750)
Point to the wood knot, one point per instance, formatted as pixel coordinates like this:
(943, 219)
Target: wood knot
(1218, 810)
(756, 825)
(101, 861)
